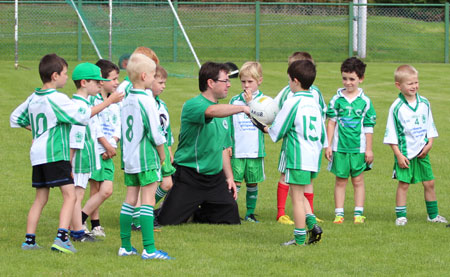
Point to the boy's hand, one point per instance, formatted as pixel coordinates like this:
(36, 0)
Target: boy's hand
(232, 187)
(111, 151)
(105, 156)
(424, 151)
(402, 161)
(329, 153)
(248, 96)
(115, 97)
(369, 156)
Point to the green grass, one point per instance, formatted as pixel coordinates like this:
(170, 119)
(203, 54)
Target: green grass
(377, 248)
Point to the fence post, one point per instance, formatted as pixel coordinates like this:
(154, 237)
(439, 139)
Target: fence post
(446, 32)
(350, 29)
(257, 29)
(175, 32)
(80, 31)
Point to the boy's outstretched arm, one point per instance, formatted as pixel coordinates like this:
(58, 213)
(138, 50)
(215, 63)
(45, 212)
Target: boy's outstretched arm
(114, 97)
(426, 149)
(402, 161)
(369, 153)
(330, 133)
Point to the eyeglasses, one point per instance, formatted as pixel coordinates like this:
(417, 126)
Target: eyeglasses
(224, 81)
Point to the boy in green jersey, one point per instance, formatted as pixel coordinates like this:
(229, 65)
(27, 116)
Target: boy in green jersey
(350, 128)
(410, 132)
(142, 155)
(247, 160)
(299, 123)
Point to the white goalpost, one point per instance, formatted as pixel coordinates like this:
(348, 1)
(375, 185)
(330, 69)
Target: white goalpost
(16, 33)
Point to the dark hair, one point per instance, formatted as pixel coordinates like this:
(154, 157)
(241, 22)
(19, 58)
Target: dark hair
(160, 72)
(106, 67)
(354, 64)
(77, 83)
(50, 64)
(304, 71)
(210, 70)
(299, 56)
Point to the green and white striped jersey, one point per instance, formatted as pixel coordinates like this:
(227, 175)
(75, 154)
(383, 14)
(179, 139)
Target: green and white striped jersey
(50, 114)
(248, 141)
(141, 132)
(202, 140)
(354, 119)
(286, 93)
(410, 125)
(85, 158)
(299, 123)
(109, 122)
(164, 120)
(125, 86)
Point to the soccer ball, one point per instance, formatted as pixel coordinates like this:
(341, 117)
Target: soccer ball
(264, 109)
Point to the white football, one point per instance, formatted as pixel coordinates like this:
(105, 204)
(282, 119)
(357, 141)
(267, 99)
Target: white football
(264, 109)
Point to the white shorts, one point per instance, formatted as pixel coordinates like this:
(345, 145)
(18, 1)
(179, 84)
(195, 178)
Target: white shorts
(81, 179)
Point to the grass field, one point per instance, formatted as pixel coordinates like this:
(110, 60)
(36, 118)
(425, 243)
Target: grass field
(377, 248)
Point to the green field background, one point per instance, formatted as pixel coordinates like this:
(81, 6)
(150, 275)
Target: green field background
(377, 248)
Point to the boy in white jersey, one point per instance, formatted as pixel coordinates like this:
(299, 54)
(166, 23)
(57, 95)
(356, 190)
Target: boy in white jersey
(283, 188)
(101, 181)
(167, 169)
(247, 160)
(125, 87)
(299, 123)
(142, 156)
(410, 132)
(85, 160)
(49, 115)
(350, 128)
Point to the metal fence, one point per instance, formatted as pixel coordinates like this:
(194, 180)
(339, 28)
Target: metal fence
(225, 31)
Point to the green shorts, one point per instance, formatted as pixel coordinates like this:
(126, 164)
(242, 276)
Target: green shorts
(250, 169)
(167, 168)
(142, 178)
(106, 172)
(419, 171)
(344, 165)
(299, 177)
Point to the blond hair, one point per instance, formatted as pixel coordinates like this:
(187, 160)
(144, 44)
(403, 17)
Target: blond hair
(147, 52)
(300, 56)
(138, 64)
(252, 69)
(404, 71)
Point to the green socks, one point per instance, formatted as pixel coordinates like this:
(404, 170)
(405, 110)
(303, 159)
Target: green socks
(432, 209)
(300, 235)
(252, 197)
(125, 225)
(136, 213)
(160, 193)
(147, 228)
(358, 211)
(310, 221)
(400, 211)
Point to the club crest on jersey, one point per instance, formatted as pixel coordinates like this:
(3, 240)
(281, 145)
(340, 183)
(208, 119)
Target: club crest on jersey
(225, 124)
(82, 110)
(79, 137)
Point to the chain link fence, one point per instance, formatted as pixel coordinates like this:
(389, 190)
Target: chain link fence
(223, 31)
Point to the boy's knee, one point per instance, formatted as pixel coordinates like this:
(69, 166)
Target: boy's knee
(429, 184)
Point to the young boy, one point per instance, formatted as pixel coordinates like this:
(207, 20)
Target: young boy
(158, 86)
(85, 160)
(101, 181)
(350, 128)
(283, 188)
(141, 130)
(410, 132)
(49, 115)
(248, 151)
(299, 123)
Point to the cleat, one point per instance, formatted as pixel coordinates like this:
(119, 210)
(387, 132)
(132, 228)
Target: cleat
(339, 219)
(291, 242)
(98, 231)
(63, 246)
(319, 220)
(285, 219)
(315, 234)
(135, 228)
(123, 252)
(85, 229)
(401, 221)
(438, 219)
(26, 246)
(251, 218)
(359, 219)
(157, 255)
(87, 237)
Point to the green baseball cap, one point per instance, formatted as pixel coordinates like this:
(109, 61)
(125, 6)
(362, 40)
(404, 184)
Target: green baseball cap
(87, 71)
